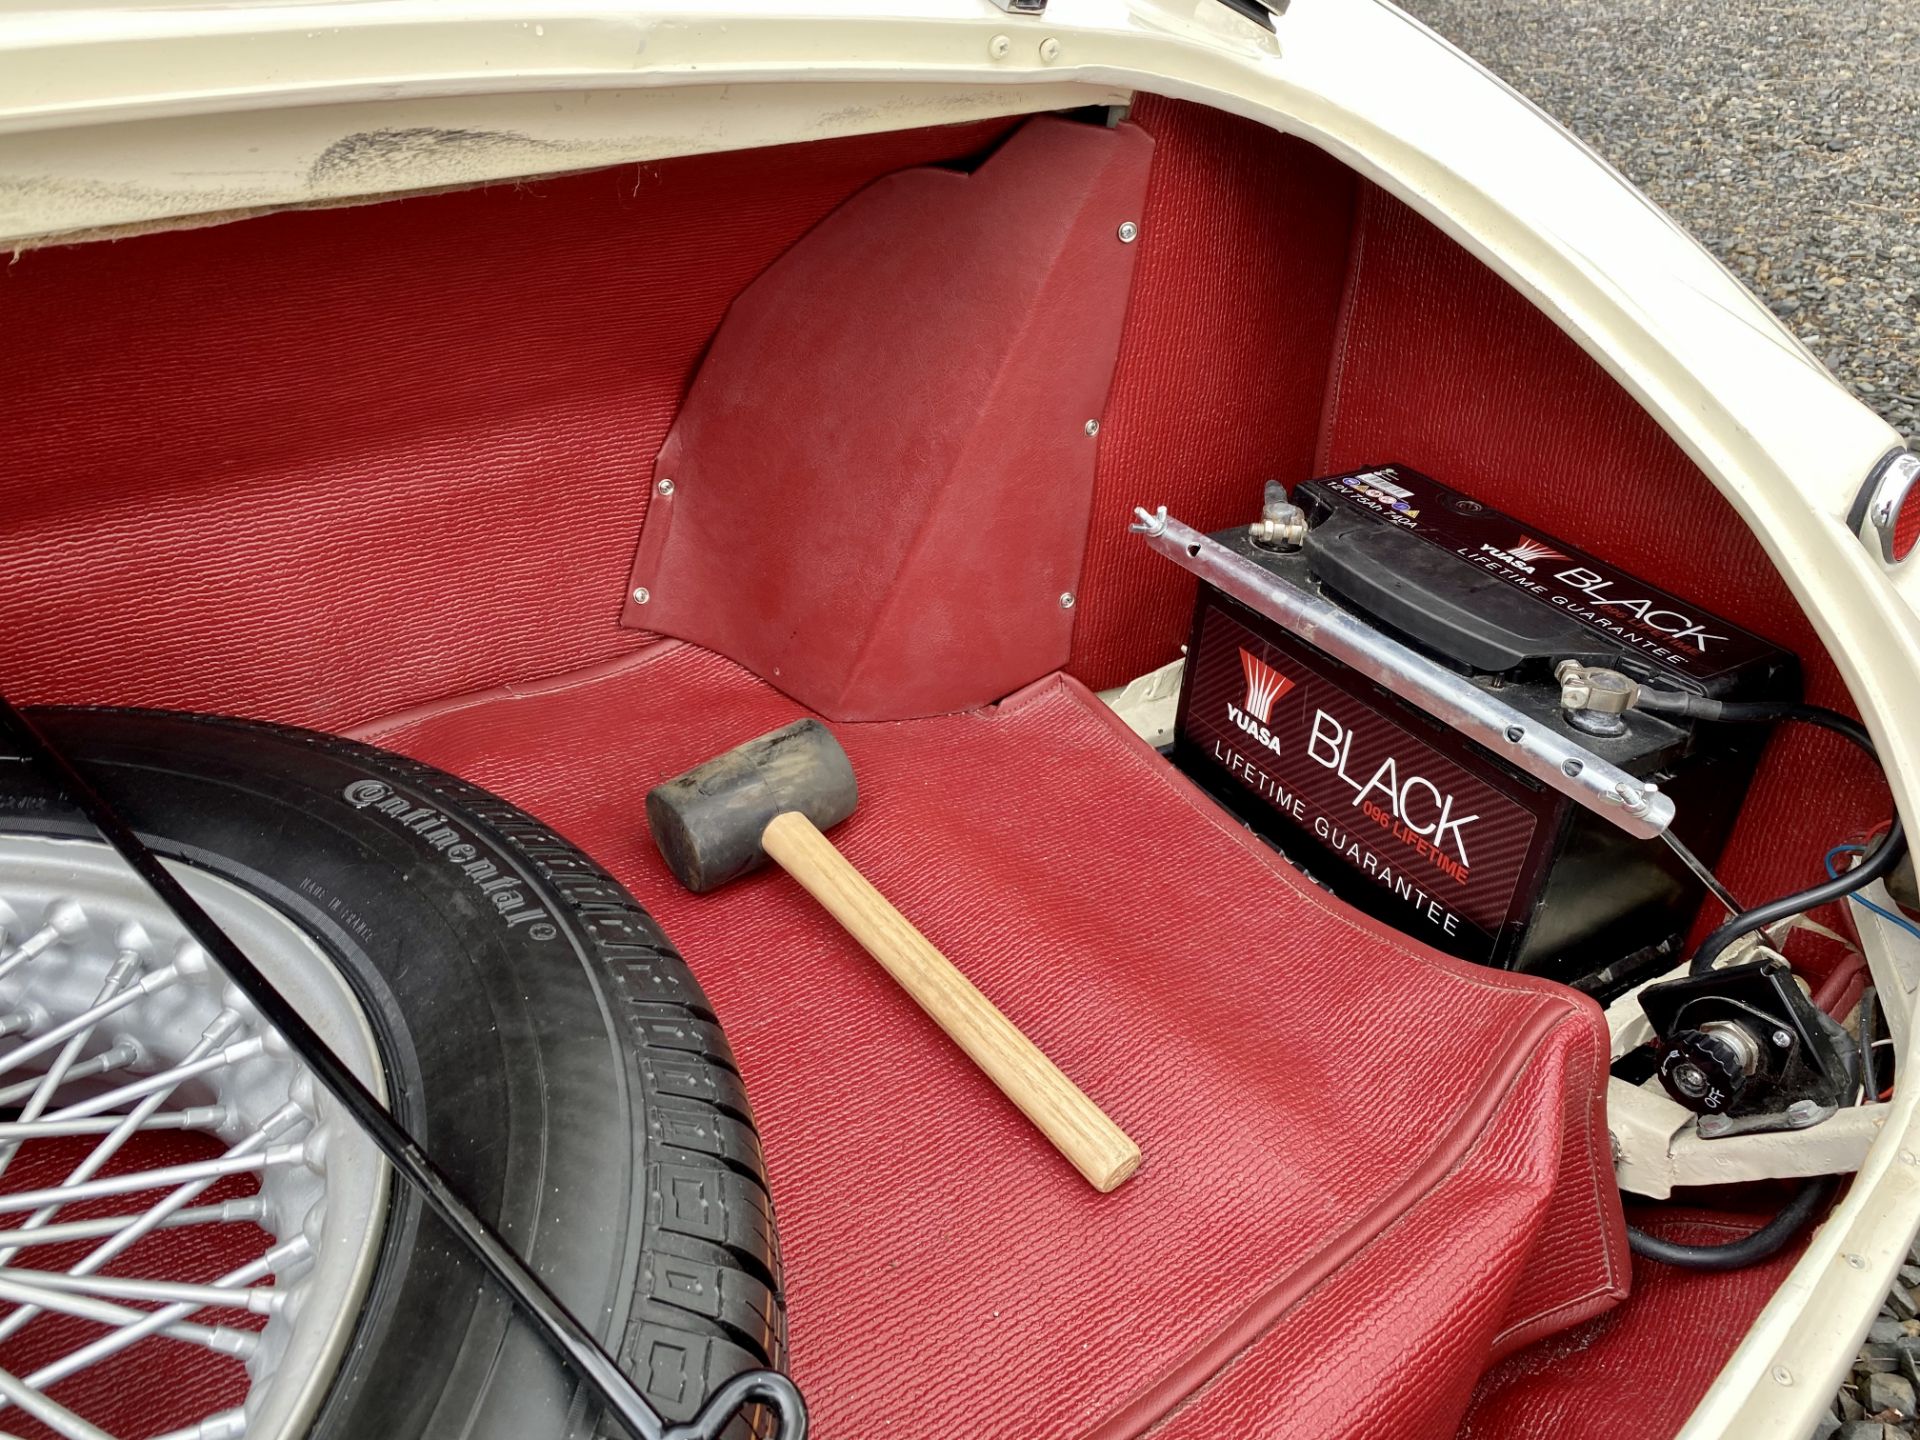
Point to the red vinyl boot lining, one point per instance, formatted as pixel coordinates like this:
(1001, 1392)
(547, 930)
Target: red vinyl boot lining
(1637, 1372)
(317, 466)
(944, 1265)
(893, 526)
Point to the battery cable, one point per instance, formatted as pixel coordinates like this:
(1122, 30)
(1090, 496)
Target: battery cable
(1771, 1237)
(1877, 862)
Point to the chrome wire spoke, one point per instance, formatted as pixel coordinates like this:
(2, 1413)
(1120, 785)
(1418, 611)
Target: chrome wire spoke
(124, 1128)
(130, 1067)
(124, 965)
(50, 1413)
(227, 1213)
(198, 1063)
(227, 1425)
(115, 1057)
(252, 1153)
(148, 985)
(281, 1257)
(52, 1282)
(201, 1117)
(223, 1338)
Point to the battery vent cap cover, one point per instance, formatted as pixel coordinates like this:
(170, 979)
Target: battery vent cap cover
(1465, 616)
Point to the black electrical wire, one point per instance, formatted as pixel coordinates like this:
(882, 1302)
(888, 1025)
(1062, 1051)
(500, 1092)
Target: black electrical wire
(1879, 860)
(1748, 1249)
(1769, 1238)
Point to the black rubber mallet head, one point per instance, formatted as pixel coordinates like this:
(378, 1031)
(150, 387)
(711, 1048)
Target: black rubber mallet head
(710, 823)
(769, 799)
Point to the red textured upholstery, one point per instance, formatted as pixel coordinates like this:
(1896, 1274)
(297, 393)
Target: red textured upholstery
(1440, 364)
(1243, 249)
(881, 476)
(942, 1260)
(1636, 1373)
(317, 466)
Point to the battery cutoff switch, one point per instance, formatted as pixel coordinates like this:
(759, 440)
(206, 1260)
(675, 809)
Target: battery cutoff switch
(1747, 1051)
(1282, 524)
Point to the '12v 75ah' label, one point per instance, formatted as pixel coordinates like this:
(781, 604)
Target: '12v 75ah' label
(1393, 825)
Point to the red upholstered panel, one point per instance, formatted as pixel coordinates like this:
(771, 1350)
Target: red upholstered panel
(1440, 364)
(1637, 1372)
(316, 466)
(1243, 247)
(881, 475)
(945, 1267)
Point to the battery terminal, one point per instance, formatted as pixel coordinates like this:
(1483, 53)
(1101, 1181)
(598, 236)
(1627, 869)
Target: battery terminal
(1595, 698)
(1282, 524)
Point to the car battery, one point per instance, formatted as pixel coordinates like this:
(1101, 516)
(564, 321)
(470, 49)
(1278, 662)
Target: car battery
(1409, 817)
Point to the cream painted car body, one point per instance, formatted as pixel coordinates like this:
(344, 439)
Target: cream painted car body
(133, 116)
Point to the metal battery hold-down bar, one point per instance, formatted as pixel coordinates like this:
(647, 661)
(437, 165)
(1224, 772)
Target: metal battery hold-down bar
(543, 1309)
(1522, 742)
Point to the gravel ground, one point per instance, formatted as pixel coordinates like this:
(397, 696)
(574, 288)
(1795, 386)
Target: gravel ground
(1785, 135)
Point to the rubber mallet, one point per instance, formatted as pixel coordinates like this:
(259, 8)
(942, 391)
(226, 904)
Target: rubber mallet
(769, 799)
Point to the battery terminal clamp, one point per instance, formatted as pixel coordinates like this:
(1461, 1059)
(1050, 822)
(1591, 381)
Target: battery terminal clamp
(1282, 524)
(1596, 698)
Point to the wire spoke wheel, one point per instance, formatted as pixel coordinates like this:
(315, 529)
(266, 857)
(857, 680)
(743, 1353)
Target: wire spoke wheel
(187, 1224)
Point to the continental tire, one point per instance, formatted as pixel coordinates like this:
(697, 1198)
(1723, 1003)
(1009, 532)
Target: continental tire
(538, 1034)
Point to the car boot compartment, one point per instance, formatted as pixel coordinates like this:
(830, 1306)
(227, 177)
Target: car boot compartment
(566, 487)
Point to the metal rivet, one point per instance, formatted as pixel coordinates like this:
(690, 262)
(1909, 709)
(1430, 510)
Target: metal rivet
(665, 487)
(642, 595)
(1066, 599)
(1093, 427)
(1858, 1262)
(999, 47)
(1049, 51)
(1782, 1375)
(1129, 232)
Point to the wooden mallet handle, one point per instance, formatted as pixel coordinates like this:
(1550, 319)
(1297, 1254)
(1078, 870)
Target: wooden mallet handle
(1079, 1129)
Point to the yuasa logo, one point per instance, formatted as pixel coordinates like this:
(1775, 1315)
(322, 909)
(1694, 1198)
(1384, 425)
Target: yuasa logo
(1264, 686)
(1650, 613)
(1524, 553)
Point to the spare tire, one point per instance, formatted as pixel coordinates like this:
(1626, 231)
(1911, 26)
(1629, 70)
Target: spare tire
(537, 1033)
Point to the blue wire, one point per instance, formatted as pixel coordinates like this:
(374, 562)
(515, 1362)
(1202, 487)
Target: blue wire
(1834, 874)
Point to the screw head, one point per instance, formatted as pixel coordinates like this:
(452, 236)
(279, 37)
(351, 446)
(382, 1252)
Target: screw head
(642, 595)
(1782, 1039)
(1066, 599)
(1129, 232)
(1782, 1375)
(665, 487)
(1093, 427)
(1000, 47)
(1858, 1262)
(1049, 51)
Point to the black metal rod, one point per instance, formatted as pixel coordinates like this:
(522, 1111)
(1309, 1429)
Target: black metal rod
(539, 1304)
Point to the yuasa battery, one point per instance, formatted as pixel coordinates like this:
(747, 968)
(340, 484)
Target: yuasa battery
(1411, 820)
